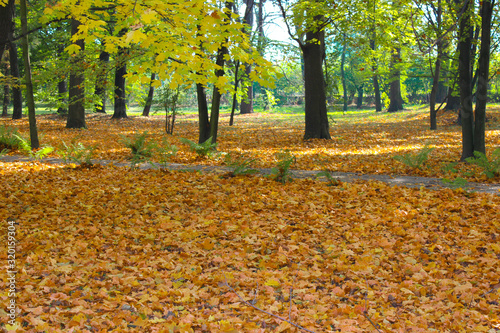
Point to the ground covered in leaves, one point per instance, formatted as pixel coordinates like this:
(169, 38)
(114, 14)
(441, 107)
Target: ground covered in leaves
(362, 142)
(112, 249)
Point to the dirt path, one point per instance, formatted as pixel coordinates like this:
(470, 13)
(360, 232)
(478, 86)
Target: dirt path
(408, 181)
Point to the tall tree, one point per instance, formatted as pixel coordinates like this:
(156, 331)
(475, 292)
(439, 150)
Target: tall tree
(246, 105)
(120, 73)
(149, 98)
(101, 82)
(27, 76)
(313, 53)
(76, 108)
(486, 12)
(6, 24)
(17, 95)
(465, 78)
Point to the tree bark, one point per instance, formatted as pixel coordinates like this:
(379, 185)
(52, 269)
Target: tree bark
(27, 75)
(437, 72)
(316, 126)
(483, 76)
(101, 80)
(203, 120)
(396, 101)
(235, 101)
(359, 100)
(120, 96)
(62, 90)
(464, 81)
(149, 99)
(6, 88)
(373, 46)
(6, 25)
(246, 105)
(342, 73)
(76, 108)
(17, 95)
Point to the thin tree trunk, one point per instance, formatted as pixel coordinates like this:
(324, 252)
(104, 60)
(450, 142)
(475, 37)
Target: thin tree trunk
(149, 99)
(464, 69)
(101, 80)
(359, 101)
(373, 46)
(483, 75)
(236, 82)
(17, 95)
(246, 105)
(342, 72)
(27, 74)
(437, 72)
(76, 108)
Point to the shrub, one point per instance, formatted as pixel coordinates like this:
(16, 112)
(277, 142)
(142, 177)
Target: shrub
(205, 149)
(281, 172)
(25, 146)
(8, 138)
(141, 151)
(415, 161)
(77, 153)
(240, 165)
(166, 152)
(490, 168)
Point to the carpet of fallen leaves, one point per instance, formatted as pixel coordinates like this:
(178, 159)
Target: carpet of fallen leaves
(112, 249)
(363, 142)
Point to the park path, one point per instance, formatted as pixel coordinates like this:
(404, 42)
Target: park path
(399, 180)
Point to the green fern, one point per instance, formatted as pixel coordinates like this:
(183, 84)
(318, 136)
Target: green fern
(141, 151)
(77, 153)
(25, 146)
(281, 173)
(491, 168)
(205, 149)
(240, 165)
(415, 161)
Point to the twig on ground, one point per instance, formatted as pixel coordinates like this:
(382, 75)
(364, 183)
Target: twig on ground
(365, 311)
(259, 309)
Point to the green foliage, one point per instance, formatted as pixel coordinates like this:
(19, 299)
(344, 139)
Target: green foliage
(281, 172)
(415, 161)
(166, 151)
(240, 165)
(490, 168)
(141, 151)
(205, 149)
(77, 153)
(8, 138)
(25, 146)
(450, 167)
(458, 182)
(332, 181)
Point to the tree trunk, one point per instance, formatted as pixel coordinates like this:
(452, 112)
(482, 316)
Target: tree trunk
(359, 101)
(396, 101)
(482, 83)
(342, 73)
(464, 81)
(373, 46)
(246, 105)
(235, 101)
(149, 99)
(216, 95)
(76, 108)
(17, 95)
(6, 88)
(62, 90)
(101, 80)
(120, 96)
(437, 72)
(27, 75)
(203, 121)
(6, 25)
(315, 96)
